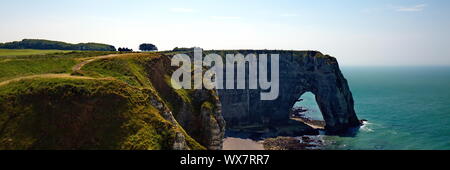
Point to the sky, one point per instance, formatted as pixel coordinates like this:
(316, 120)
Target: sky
(356, 32)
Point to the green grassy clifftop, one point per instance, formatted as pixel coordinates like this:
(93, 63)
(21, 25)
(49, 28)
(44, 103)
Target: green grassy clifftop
(109, 102)
(65, 113)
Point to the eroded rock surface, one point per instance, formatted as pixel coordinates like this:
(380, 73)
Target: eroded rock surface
(300, 72)
(197, 111)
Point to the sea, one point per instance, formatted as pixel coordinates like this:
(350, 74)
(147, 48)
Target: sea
(407, 108)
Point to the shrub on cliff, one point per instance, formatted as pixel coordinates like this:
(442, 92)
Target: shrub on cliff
(148, 47)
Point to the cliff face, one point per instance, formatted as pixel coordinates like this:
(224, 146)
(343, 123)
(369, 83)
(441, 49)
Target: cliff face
(300, 72)
(197, 111)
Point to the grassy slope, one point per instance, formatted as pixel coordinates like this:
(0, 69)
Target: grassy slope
(40, 63)
(21, 67)
(131, 69)
(141, 71)
(24, 52)
(59, 113)
(127, 68)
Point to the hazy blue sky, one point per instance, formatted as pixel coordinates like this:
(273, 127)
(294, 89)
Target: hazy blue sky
(357, 32)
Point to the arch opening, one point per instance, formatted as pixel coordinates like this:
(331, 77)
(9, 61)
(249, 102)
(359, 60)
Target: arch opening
(306, 110)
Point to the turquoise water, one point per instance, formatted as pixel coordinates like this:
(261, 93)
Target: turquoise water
(408, 108)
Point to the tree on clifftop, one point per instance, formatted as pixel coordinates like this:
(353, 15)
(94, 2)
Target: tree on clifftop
(148, 47)
(124, 49)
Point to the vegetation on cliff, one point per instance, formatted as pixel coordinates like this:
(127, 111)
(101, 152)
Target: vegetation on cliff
(66, 113)
(56, 45)
(148, 47)
(153, 71)
(28, 52)
(89, 100)
(40, 62)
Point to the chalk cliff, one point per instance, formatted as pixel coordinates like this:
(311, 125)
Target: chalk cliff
(197, 111)
(300, 72)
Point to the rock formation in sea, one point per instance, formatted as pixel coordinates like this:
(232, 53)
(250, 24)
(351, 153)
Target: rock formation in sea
(300, 72)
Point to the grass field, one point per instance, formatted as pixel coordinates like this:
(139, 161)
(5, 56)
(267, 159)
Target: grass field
(22, 67)
(40, 62)
(24, 52)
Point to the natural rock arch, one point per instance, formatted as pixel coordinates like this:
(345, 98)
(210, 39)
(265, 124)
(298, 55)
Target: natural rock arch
(300, 72)
(308, 102)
